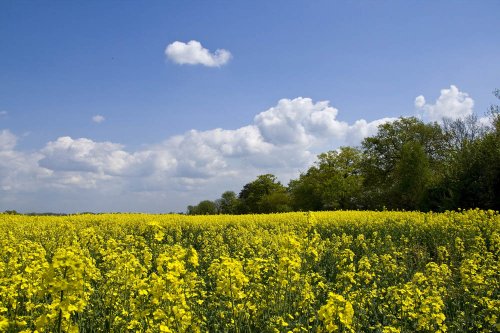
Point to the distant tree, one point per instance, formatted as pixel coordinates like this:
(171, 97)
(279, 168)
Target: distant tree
(462, 131)
(275, 202)
(264, 195)
(191, 210)
(383, 169)
(205, 207)
(305, 193)
(334, 182)
(494, 109)
(228, 203)
(473, 173)
(491, 161)
(412, 176)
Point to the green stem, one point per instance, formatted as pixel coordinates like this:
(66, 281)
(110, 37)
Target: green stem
(59, 319)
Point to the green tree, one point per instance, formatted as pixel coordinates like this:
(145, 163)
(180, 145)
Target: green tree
(333, 182)
(304, 192)
(460, 132)
(264, 195)
(228, 203)
(473, 174)
(11, 212)
(383, 169)
(412, 174)
(275, 202)
(494, 109)
(205, 207)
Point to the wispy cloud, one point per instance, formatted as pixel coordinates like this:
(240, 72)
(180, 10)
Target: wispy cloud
(98, 119)
(7, 140)
(3, 113)
(193, 53)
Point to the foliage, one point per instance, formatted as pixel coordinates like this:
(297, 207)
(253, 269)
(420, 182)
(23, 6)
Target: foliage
(205, 207)
(264, 195)
(228, 203)
(389, 150)
(334, 182)
(473, 172)
(412, 176)
(350, 271)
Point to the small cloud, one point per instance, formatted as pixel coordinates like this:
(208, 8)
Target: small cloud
(3, 113)
(7, 140)
(451, 104)
(193, 53)
(419, 101)
(98, 119)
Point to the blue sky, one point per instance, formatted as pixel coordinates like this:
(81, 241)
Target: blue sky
(156, 148)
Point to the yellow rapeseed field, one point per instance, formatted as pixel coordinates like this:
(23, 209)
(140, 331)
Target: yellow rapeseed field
(296, 272)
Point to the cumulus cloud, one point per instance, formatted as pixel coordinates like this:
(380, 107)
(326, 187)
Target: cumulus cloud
(419, 101)
(301, 122)
(67, 154)
(193, 53)
(82, 174)
(283, 140)
(451, 104)
(102, 158)
(7, 140)
(98, 119)
(19, 171)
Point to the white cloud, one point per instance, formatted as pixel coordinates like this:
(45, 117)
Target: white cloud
(419, 101)
(19, 171)
(106, 159)
(193, 53)
(362, 129)
(76, 174)
(7, 140)
(485, 121)
(3, 113)
(67, 154)
(302, 122)
(84, 174)
(452, 104)
(98, 119)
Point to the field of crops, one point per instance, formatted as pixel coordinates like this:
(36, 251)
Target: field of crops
(296, 272)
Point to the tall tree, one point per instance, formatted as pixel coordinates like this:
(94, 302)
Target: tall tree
(264, 195)
(460, 132)
(473, 175)
(205, 207)
(228, 203)
(412, 175)
(334, 182)
(382, 154)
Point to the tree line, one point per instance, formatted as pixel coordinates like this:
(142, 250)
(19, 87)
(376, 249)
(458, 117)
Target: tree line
(406, 165)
